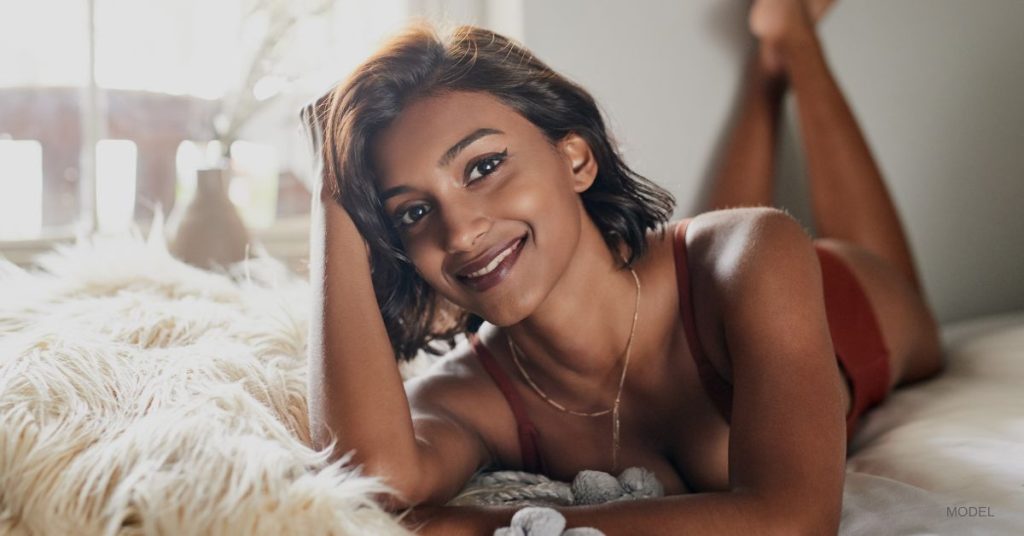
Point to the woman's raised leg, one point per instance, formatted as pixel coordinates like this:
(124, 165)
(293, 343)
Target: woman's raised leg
(744, 175)
(851, 205)
(849, 197)
(747, 165)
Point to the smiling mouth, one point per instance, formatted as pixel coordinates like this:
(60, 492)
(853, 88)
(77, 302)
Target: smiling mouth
(497, 270)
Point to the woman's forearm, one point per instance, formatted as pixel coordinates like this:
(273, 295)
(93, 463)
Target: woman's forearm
(725, 513)
(355, 388)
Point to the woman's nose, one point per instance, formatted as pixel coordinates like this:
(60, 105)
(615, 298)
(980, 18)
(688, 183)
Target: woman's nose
(463, 227)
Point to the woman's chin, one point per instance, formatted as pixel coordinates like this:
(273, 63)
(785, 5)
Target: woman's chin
(508, 313)
(501, 319)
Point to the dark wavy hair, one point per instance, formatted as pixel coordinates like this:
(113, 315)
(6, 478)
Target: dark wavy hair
(418, 63)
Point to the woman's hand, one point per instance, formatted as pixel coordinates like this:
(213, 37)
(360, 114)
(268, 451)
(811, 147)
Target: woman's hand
(336, 220)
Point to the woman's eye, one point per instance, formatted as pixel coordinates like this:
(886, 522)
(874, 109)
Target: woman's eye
(486, 166)
(411, 215)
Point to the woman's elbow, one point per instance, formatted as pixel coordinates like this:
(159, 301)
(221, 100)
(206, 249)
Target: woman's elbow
(401, 488)
(793, 517)
(400, 478)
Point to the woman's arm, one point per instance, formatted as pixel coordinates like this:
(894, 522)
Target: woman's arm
(787, 441)
(787, 437)
(355, 389)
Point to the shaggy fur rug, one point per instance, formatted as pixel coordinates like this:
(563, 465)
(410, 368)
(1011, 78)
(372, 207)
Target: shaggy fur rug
(139, 395)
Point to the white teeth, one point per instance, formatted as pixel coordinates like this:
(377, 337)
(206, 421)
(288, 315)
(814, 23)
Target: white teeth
(495, 261)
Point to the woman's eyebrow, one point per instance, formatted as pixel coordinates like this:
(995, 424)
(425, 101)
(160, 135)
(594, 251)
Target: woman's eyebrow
(391, 192)
(454, 150)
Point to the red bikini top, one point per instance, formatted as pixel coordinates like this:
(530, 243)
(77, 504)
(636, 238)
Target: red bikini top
(717, 388)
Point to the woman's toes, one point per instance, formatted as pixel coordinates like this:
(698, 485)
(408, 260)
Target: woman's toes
(776, 22)
(817, 8)
(781, 26)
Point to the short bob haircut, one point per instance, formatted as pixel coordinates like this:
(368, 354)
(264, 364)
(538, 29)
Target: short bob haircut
(418, 63)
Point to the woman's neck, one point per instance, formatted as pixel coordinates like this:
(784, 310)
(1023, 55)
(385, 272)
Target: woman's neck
(575, 341)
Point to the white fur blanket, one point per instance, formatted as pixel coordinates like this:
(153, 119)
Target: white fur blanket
(140, 395)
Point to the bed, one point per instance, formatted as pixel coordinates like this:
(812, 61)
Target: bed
(141, 395)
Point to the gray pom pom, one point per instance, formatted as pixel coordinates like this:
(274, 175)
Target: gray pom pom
(595, 487)
(539, 521)
(639, 483)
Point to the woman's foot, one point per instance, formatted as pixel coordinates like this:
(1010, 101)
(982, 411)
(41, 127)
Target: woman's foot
(817, 8)
(782, 26)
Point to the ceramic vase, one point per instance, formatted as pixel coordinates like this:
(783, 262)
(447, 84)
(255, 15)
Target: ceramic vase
(210, 233)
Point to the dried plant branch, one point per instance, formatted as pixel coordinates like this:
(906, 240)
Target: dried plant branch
(240, 105)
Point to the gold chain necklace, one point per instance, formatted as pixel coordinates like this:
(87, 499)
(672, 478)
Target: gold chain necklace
(614, 410)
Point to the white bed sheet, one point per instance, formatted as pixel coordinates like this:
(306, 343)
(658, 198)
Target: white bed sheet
(946, 456)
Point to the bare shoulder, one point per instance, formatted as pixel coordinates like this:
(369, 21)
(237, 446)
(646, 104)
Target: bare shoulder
(720, 245)
(723, 245)
(457, 388)
(450, 382)
(727, 250)
(719, 242)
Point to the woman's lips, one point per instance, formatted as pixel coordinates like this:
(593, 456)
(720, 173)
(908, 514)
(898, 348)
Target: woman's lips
(500, 272)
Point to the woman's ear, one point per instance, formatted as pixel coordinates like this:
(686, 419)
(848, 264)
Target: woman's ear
(580, 159)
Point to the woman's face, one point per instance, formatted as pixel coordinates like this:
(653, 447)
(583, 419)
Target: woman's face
(465, 177)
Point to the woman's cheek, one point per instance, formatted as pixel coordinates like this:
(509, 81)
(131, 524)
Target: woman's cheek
(422, 262)
(531, 197)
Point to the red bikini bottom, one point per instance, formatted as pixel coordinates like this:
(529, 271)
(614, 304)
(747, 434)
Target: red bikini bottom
(856, 336)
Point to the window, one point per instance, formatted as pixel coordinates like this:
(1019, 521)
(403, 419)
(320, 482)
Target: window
(115, 184)
(108, 110)
(21, 202)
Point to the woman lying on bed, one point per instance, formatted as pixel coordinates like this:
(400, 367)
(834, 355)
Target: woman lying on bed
(470, 189)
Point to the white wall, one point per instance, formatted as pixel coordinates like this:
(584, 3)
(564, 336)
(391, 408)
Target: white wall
(936, 84)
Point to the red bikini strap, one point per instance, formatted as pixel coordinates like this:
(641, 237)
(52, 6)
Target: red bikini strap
(717, 388)
(528, 438)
